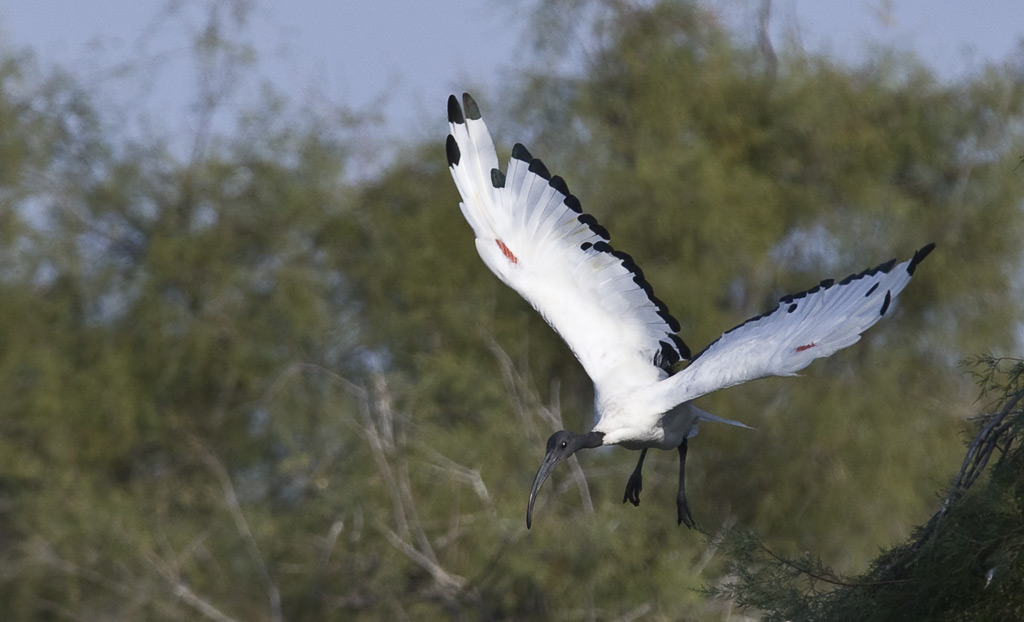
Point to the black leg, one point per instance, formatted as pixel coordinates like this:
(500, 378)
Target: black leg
(685, 518)
(636, 482)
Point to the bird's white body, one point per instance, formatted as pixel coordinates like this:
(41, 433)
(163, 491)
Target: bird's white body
(532, 233)
(622, 423)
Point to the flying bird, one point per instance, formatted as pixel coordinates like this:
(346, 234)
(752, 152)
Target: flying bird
(534, 235)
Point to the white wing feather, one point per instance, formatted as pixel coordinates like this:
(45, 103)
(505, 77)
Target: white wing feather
(805, 326)
(531, 232)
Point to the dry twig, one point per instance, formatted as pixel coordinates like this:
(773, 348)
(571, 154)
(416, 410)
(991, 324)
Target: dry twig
(241, 525)
(527, 399)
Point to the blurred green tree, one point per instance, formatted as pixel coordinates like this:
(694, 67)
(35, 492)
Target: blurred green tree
(168, 330)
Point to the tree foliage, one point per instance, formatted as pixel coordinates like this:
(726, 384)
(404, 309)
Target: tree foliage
(245, 385)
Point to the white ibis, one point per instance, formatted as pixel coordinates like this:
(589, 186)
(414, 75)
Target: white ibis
(533, 234)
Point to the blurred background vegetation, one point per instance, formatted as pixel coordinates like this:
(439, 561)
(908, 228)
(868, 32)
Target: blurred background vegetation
(248, 384)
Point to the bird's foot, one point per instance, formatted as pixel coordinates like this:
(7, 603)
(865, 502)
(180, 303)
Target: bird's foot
(633, 488)
(683, 510)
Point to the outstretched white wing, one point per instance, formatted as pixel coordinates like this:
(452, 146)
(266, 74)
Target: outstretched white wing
(805, 326)
(532, 233)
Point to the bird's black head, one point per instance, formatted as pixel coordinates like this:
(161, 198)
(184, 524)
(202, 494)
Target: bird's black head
(561, 445)
(562, 441)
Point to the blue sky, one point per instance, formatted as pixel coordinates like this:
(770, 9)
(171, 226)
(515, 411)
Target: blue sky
(411, 54)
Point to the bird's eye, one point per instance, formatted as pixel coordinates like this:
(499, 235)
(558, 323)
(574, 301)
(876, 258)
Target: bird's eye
(564, 444)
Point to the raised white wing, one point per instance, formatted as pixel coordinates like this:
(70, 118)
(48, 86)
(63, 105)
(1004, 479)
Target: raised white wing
(532, 233)
(805, 326)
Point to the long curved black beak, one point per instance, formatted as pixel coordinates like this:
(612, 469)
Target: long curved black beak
(550, 462)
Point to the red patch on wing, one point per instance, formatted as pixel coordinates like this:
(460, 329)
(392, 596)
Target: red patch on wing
(506, 252)
(807, 347)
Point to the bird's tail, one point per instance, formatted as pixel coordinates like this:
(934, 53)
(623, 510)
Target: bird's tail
(702, 415)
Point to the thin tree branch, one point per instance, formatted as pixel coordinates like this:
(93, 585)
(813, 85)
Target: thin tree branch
(527, 398)
(463, 474)
(764, 39)
(241, 525)
(444, 579)
(170, 573)
(803, 569)
(388, 448)
(45, 553)
(186, 594)
(380, 457)
(978, 453)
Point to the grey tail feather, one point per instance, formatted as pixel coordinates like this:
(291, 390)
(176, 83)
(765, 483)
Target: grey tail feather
(706, 416)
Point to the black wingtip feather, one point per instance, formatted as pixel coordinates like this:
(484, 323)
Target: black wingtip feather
(451, 148)
(667, 356)
(594, 226)
(673, 323)
(644, 285)
(521, 153)
(454, 111)
(537, 167)
(684, 350)
(671, 352)
(885, 267)
(559, 184)
(497, 178)
(919, 257)
(472, 110)
(574, 204)
(885, 303)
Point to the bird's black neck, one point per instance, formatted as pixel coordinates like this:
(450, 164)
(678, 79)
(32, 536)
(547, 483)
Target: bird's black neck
(591, 440)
